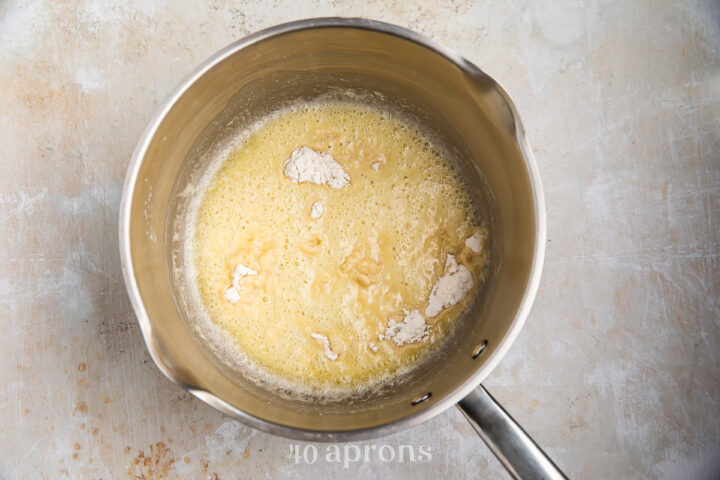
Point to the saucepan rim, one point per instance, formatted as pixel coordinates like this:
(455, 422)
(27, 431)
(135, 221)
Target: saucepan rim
(423, 414)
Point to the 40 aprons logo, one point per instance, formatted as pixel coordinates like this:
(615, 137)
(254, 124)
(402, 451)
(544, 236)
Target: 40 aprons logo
(350, 454)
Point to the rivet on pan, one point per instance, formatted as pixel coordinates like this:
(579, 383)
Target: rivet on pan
(479, 349)
(421, 399)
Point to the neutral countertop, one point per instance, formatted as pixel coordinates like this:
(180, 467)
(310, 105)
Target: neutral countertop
(616, 372)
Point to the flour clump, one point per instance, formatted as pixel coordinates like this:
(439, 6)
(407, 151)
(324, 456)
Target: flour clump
(450, 288)
(232, 294)
(307, 165)
(326, 345)
(475, 242)
(412, 329)
(316, 210)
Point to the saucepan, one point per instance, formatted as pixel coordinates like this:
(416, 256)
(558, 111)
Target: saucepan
(463, 106)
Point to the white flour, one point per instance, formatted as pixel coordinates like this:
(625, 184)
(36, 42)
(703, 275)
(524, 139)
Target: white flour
(450, 288)
(316, 210)
(475, 242)
(412, 329)
(377, 163)
(232, 294)
(326, 343)
(307, 165)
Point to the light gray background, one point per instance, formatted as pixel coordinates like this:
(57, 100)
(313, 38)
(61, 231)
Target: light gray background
(616, 372)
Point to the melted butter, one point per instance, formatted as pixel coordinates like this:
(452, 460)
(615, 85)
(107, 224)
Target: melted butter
(378, 248)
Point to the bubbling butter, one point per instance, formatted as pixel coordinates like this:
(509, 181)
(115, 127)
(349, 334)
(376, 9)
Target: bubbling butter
(321, 247)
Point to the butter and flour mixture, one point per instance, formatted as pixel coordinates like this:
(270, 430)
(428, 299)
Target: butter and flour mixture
(335, 247)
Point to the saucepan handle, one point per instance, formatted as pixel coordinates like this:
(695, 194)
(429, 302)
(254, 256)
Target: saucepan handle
(518, 453)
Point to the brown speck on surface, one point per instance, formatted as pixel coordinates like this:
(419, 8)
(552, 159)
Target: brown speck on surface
(95, 431)
(204, 464)
(156, 464)
(127, 449)
(228, 452)
(74, 456)
(107, 400)
(186, 459)
(26, 411)
(81, 407)
(77, 446)
(246, 453)
(81, 367)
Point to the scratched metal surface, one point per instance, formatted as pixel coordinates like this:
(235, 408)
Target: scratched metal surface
(616, 372)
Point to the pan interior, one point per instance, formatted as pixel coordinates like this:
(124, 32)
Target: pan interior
(305, 88)
(465, 113)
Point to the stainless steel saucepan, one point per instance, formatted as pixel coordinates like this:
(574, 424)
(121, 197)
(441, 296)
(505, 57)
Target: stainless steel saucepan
(470, 114)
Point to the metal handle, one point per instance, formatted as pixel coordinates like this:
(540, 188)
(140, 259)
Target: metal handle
(518, 453)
